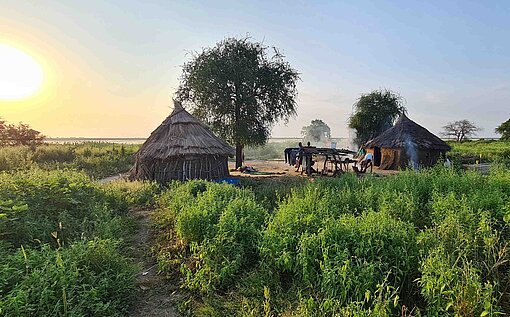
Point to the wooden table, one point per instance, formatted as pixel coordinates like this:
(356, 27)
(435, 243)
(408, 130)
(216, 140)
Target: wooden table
(333, 156)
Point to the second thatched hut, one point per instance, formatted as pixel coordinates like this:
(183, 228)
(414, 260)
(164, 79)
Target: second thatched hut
(406, 144)
(182, 148)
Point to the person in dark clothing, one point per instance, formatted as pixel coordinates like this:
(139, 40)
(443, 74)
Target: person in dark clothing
(299, 158)
(290, 155)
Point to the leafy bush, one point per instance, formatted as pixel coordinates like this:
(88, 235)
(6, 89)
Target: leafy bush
(221, 226)
(87, 279)
(270, 192)
(49, 207)
(14, 158)
(232, 248)
(53, 154)
(122, 194)
(62, 249)
(427, 243)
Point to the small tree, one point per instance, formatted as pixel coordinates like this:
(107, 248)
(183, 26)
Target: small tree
(240, 91)
(317, 131)
(460, 130)
(504, 130)
(20, 134)
(374, 113)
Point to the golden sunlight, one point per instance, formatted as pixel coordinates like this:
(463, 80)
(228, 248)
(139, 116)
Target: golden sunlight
(20, 74)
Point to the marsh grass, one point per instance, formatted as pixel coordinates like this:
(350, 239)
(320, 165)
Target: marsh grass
(95, 159)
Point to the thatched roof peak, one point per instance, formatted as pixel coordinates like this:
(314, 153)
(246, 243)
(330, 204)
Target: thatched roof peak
(407, 131)
(177, 106)
(181, 134)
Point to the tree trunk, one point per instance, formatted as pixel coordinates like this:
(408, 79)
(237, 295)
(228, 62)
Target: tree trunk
(239, 155)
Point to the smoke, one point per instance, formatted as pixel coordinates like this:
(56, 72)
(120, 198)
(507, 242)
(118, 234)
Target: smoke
(318, 140)
(412, 152)
(352, 140)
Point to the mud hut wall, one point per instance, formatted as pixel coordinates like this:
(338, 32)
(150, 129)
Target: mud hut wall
(429, 157)
(388, 158)
(398, 159)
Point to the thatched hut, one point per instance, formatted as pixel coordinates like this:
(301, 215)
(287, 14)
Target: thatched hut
(182, 148)
(406, 144)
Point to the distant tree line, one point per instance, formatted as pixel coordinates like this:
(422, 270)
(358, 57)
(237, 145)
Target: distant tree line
(21, 134)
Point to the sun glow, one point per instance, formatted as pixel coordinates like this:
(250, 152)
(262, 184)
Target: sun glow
(21, 76)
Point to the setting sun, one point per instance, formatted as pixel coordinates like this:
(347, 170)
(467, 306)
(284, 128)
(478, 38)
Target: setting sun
(20, 76)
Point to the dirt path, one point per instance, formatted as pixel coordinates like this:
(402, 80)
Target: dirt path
(156, 297)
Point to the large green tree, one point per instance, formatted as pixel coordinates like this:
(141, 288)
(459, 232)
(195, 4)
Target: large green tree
(374, 113)
(504, 130)
(240, 90)
(317, 131)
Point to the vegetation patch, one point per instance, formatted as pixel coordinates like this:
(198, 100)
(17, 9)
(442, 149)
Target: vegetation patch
(428, 243)
(62, 247)
(97, 160)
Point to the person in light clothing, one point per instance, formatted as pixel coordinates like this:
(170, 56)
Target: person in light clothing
(369, 157)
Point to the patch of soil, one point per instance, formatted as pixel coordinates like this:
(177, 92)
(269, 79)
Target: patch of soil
(280, 168)
(156, 297)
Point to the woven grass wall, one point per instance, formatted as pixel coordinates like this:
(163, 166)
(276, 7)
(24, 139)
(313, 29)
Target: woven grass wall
(181, 168)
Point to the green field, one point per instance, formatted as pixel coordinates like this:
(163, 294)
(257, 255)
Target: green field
(432, 243)
(97, 160)
(482, 151)
(63, 247)
(427, 243)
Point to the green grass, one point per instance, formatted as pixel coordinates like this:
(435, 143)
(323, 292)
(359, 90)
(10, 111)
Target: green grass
(434, 242)
(97, 160)
(481, 150)
(63, 248)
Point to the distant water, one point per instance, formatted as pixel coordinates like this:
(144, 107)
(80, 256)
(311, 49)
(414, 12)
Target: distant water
(103, 140)
(340, 142)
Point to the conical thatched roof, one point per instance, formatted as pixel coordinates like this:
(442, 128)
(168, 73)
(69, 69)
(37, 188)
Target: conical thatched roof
(404, 131)
(181, 134)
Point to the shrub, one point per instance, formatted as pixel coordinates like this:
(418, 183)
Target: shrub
(87, 279)
(423, 243)
(122, 194)
(231, 249)
(53, 154)
(47, 206)
(221, 226)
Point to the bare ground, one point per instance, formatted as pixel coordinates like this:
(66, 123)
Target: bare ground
(156, 297)
(280, 168)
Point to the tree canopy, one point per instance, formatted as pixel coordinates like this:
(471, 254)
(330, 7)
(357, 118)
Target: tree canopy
(317, 131)
(504, 130)
(20, 134)
(374, 113)
(239, 90)
(460, 130)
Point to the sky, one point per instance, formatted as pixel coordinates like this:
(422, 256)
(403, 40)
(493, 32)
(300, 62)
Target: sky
(111, 67)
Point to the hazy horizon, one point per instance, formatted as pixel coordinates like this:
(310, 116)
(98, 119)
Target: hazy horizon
(110, 68)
